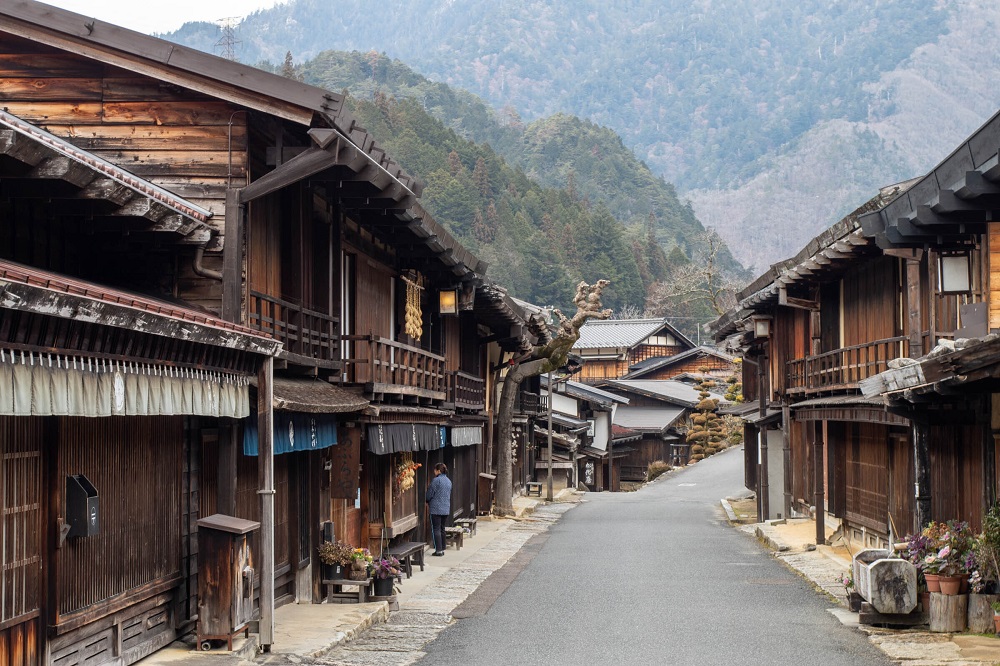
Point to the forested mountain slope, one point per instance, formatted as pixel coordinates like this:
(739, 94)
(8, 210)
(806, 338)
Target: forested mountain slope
(775, 117)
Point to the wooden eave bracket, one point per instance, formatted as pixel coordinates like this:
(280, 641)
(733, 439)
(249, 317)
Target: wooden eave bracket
(793, 302)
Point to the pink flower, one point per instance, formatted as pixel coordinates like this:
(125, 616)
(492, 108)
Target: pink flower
(944, 552)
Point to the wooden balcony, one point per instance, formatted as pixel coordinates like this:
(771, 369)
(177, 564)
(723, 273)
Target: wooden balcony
(530, 404)
(309, 337)
(387, 367)
(467, 391)
(842, 369)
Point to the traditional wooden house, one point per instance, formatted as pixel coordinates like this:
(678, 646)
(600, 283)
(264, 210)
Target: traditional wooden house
(871, 291)
(582, 435)
(658, 410)
(612, 347)
(698, 362)
(279, 227)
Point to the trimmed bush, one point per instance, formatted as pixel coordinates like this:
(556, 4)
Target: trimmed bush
(656, 468)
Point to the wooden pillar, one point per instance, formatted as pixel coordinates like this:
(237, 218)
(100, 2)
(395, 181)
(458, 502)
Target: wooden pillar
(818, 499)
(786, 455)
(232, 258)
(914, 325)
(764, 488)
(228, 453)
(922, 471)
(265, 479)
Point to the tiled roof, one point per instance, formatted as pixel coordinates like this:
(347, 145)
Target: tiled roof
(13, 272)
(659, 362)
(598, 333)
(662, 389)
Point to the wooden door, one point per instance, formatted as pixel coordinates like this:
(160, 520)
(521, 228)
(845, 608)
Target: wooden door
(21, 504)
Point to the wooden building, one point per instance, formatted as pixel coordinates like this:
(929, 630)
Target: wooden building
(277, 245)
(894, 281)
(696, 363)
(658, 410)
(612, 347)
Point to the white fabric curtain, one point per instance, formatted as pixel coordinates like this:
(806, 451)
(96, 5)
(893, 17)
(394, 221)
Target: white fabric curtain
(52, 385)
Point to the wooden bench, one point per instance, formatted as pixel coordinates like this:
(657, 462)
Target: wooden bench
(408, 551)
(336, 594)
(455, 535)
(469, 524)
(533, 487)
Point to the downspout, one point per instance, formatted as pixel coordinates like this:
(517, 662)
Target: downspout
(199, 269)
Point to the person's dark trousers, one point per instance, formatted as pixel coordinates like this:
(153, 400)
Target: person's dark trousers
(437, 531)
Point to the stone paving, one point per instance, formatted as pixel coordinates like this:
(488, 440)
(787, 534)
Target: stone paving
(401, 639)
(912, 647)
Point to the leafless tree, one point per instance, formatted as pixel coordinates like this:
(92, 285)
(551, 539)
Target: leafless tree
(702, 280)
(533, 361)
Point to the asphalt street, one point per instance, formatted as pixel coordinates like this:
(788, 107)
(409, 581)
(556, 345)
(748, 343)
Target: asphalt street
(651, 577)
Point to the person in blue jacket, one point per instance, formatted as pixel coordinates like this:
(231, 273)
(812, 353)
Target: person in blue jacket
(439, 503)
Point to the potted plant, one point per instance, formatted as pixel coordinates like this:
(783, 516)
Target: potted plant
(918, 548)
(384, 571)
(335, 555)
(357, 567)
(854, 599)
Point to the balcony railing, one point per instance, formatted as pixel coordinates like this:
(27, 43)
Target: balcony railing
(529, 403)
(392, 367)
(844, 368)
(304, 332)
(467, 391)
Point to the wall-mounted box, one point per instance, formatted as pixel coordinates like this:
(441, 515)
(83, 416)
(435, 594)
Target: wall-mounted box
(83, 511)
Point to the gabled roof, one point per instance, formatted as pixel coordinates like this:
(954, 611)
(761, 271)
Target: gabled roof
(624, 333)
(659, 362)
(647, 419)
(665, 390)
(586, 392)
(341, 145)
(828, 255)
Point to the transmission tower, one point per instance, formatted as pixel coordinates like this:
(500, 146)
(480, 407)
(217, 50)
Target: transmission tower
(226, 46)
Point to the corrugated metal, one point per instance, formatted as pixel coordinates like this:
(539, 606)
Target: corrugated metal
(135, 465)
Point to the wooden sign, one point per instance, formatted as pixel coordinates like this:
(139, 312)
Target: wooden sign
(346, 465)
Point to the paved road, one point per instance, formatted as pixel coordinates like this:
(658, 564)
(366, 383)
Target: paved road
(652, 577)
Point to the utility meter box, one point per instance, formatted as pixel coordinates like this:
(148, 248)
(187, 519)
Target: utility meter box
(83, 509)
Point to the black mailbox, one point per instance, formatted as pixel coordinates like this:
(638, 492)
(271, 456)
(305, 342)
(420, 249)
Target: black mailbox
(82, 509)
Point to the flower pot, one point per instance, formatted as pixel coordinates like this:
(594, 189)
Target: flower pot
(332, 572)
(383, 587)
(996, 624)
(925, 602)
(357, 574)
(950, 585)
(932, 582)
(964, 578)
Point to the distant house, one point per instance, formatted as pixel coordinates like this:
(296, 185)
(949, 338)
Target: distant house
(719, 364)
(610, 348)
(582, 437)
(657, 409)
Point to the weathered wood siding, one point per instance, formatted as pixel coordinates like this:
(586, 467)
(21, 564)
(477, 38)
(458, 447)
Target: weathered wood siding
(22, 501)
(993, 268)
(186, 142)
(867, 476)
(597, 369)
(871, 302)
(789, 341)
(375, 303)
(716, 366)
(957, 473)
(803, 483)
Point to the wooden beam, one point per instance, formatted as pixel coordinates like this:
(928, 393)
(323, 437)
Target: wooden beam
(793, 302)
(265, 480)
(232, 258)
(63, 168)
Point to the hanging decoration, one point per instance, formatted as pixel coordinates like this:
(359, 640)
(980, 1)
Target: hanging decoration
(413, 324)
(405, 474)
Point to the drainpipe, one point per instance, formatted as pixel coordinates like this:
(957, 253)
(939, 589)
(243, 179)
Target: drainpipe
(201, 271)
(265, 481)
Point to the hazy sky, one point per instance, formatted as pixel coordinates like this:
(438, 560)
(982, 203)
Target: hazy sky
(154, 16)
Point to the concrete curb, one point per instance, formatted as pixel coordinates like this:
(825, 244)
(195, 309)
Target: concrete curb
(379, 615)
(730, 514)
(771, 542)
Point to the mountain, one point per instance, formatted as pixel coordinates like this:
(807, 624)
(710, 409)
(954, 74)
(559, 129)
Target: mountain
(774, 117)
